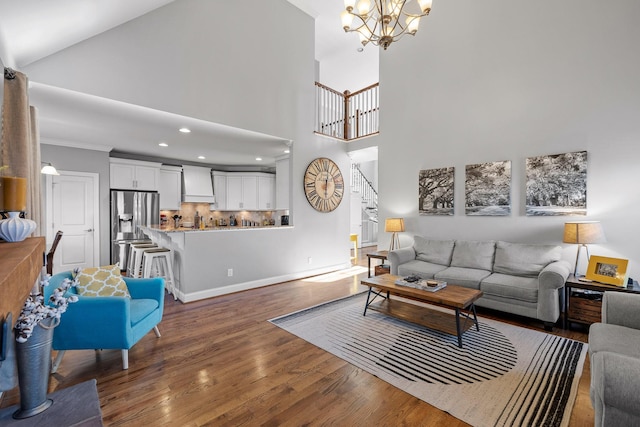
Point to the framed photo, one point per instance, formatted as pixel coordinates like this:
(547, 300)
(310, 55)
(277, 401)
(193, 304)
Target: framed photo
(612, 271)
(435, 191)
(487, 189)
(557, 184)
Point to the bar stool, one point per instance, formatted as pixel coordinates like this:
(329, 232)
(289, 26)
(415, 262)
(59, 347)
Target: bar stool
(157, 263)
(134, 268)
(125, 251)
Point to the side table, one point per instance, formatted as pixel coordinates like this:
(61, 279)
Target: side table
(585, 306)
(382, 255)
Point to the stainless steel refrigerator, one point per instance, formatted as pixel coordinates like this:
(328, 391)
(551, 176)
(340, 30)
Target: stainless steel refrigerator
(129, 211)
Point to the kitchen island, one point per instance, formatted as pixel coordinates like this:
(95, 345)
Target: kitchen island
(222, 260)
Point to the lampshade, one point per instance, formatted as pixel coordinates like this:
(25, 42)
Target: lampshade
(394, 225)
(582, 232)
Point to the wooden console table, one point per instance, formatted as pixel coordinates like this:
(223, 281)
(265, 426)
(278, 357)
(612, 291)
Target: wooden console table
(20, 266)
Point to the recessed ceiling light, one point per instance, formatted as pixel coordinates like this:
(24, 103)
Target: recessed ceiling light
(163, 144)
(259, 159)
(201, 157)
(185, 130)
(287, 151)
(359, 49)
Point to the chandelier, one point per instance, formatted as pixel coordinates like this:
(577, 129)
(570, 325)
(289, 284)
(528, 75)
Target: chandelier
(383, 22)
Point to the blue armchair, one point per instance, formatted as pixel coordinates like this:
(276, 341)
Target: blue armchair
(94, 323)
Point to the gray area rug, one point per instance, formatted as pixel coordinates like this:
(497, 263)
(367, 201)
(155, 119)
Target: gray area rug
(503, 376)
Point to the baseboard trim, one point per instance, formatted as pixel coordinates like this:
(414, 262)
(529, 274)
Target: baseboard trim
(237, 287)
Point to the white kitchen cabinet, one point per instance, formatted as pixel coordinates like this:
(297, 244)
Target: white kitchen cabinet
(234, 192)
(127, 174)
(249, 191)
(266, 190)
(170, 188)
(219, 191)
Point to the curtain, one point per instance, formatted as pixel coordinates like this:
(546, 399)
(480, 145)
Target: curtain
(20, 142)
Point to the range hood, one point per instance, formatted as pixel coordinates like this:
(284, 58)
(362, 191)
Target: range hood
(196, 185)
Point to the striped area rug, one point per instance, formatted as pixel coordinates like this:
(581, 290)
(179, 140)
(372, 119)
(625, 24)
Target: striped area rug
(503, 376)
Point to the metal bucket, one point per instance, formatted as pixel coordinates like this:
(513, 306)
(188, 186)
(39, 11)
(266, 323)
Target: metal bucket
(33, 358)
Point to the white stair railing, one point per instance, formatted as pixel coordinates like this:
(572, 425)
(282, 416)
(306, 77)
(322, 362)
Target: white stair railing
(347, 116)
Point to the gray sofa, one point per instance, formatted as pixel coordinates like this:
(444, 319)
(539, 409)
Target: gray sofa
(614, 352)
(516, 278)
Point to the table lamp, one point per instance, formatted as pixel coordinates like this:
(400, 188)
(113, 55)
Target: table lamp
(395, 226)
(583, 233)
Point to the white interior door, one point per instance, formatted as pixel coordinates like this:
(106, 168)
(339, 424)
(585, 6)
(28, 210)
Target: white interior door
(72, 198)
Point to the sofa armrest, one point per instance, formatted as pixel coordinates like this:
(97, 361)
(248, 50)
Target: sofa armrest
(615, 381)
(621, 308)
(554, 275)
(400, 256)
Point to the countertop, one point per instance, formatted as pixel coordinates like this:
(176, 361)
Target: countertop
(170, 229)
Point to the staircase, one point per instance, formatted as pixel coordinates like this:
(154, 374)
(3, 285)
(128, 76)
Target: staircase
(369, 198)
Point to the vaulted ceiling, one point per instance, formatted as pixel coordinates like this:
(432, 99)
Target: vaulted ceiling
(33, 29)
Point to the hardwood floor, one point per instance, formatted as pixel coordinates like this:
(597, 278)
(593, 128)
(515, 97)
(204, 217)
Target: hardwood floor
(220, 362)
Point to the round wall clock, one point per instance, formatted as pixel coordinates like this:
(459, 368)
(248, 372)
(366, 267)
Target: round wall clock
(323, 184)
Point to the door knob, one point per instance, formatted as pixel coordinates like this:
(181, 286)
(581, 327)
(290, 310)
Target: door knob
(91, 229)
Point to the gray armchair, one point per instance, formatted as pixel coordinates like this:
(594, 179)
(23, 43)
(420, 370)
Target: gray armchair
(614, 352)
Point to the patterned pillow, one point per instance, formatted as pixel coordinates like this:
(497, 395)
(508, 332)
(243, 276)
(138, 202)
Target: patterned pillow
(102, 282)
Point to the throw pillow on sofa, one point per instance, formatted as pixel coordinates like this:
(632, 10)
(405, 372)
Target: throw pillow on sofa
(433, 251)
(102, 282)
(472, 254)
(524, 260)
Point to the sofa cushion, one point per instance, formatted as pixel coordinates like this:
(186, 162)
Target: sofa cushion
(472, 254)
(516, 287)
(467, 277)
(524, 260)
(614, 338)
(426, 270)
(434, 251)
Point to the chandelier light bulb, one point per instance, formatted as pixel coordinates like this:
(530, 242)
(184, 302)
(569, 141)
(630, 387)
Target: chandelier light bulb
(349, 4)
(347, 20)
(412, 25)
(364, 6)
(425, 5)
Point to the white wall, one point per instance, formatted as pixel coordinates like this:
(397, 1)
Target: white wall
(189, 58)
(498, 80)
(350, 70)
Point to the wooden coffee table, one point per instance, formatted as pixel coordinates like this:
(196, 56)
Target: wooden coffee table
(459, 299)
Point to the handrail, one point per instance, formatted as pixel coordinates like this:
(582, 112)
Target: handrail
(347, 116)
(362, 185)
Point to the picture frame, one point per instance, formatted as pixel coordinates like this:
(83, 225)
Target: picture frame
(612, 271)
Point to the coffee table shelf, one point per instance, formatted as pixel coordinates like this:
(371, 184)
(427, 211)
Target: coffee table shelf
(420, 315)
(453, 297)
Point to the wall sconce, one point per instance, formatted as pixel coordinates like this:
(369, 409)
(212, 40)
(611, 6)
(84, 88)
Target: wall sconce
(48, 169)
(395, 226)
(582, 233)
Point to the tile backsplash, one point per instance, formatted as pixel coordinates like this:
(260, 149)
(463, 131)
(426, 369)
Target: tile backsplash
(188, 213)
